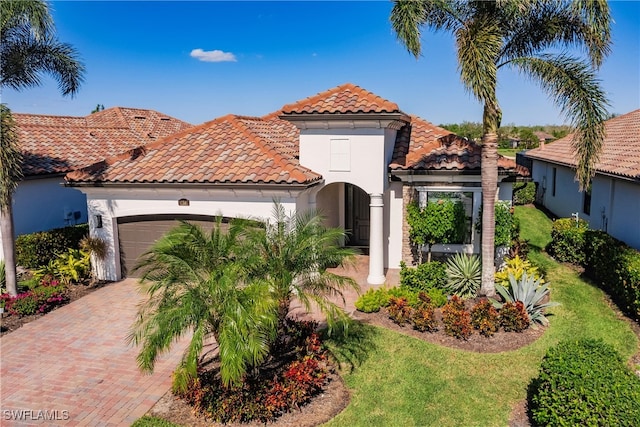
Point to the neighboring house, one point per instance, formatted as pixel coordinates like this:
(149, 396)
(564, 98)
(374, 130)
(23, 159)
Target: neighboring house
(543, 137)
(55, 145)
(612, 203)
(353, 155)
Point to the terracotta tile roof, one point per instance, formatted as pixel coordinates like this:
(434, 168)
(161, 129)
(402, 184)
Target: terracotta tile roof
(620, 152)
(422, 146)
(58, 144)
(229, 150)
(344, 99)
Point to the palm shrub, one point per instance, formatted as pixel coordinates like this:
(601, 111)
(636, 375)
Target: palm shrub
(292, 253)
(195, 283)
(464, 275)
(531, 292)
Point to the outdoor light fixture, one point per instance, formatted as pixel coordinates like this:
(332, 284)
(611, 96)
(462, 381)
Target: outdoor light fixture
(98, 221)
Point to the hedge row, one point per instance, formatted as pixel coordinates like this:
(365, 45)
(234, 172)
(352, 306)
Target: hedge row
(37, 249)
(524, 193)
(613, 266)
(584, 383)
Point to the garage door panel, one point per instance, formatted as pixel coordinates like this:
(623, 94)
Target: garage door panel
(138, 234)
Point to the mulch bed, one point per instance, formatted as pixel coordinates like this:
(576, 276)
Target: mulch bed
(74, 292)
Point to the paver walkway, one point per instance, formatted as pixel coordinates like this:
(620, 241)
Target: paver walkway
(73, 366)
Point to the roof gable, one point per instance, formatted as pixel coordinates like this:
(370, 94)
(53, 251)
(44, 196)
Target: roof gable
(59, 144)
(343, 99)
(229, 150)
(620, 150)
(421, 145)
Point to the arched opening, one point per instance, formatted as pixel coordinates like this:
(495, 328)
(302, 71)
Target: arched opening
(346, 205)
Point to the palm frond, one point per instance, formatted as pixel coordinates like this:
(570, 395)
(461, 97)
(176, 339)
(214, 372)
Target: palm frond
(478, 47)
(573, 86)
(408, 17)
(10, 158)
(553, 24)
(26, 13)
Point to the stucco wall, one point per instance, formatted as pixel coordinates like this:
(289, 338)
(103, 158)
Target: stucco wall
(330, 203)
(43, 204)
(367, 168)
(112, 204)
(393, 228)
(615, 203)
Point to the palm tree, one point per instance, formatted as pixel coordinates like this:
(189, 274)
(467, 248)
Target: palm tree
(194, 283)
(292, 253)
(10, 175)
(524, 35)
(28, 48)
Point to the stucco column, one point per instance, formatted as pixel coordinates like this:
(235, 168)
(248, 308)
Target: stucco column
(376, 249)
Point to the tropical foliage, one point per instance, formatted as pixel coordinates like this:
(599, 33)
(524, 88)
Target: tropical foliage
(531, 292)
(464, 275)
(235, 284)
(531, 38)
(28, 48)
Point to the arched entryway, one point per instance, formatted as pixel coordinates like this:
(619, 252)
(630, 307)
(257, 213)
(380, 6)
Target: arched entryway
(346, 205)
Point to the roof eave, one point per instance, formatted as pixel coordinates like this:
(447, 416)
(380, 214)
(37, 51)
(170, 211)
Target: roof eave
(257, 186)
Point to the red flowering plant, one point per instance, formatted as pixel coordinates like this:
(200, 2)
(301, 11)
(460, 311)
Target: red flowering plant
(41, 299)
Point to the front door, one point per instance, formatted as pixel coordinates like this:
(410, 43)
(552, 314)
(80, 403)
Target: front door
(357, 215)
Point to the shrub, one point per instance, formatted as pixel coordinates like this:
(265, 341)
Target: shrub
(516, 266)
(400, 292)
(567, 240)
(437, 297)
(399, 310)
(270, 391)
(372, 300)
(423, 277)
(456, 319)
(615, 267)
(584, 383)
(524, 194)
(464, 275)
(3, 278)
(485, 318)
(532, 293)
(38, 300)
(37, 249)
(513, 317)
(423, 317)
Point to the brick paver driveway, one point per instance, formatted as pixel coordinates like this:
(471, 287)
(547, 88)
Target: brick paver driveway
(73, 367)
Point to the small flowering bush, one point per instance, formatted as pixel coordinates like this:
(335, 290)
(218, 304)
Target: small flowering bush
(274, 389)
(456, 319)
(41, 299)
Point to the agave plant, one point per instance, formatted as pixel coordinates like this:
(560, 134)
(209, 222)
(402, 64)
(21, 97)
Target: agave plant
(531, 292)
(464, 275)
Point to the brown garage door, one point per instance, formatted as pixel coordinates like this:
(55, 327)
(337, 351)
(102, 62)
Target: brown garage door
(138, 233)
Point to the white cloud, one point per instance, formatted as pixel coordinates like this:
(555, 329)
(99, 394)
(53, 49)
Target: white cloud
(213, 55)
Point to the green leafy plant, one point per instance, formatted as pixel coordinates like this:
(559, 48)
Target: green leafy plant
(584, 383)
(464, 275)
(506, 224)
(423, 316)
(37, 249)
(443, 221)
(437, 297)
(372, 300)
(456, 319)
(514, 317)
(400, 292)
(424, 276)
(524, 193)
(568, 240)
(485, 318)
(531, 292)
(516, 267)
(73, 266)
(399, 310)
(3, 279)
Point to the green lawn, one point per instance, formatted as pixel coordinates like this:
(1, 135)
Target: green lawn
(402, 381)
(509, 152)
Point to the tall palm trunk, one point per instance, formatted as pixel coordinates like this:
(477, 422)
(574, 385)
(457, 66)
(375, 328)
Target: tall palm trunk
(489, 165)
(8, 247)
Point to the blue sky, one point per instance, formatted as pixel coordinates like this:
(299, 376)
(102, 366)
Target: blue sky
(200, 60)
